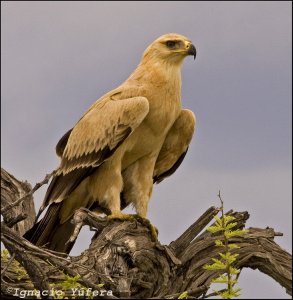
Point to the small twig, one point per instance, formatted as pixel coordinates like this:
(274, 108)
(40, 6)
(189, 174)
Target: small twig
(222, 203)
(16, 220)
(30, 193)
(226, 242)
(56, 253)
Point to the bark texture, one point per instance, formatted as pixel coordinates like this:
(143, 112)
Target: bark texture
(124, 258)
(22, 215)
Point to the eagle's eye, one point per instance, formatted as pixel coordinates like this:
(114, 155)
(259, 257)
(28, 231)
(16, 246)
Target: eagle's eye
(170, 44)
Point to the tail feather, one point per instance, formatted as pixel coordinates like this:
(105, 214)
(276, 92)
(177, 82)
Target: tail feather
(48, 232)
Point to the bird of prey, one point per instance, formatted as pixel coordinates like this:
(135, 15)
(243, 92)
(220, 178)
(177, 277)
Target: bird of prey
(132, 137)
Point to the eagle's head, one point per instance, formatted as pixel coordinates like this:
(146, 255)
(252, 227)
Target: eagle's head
(171, 48)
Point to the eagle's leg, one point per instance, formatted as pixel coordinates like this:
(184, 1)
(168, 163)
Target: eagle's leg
(106, 185)
(141, 216)
(138, 186)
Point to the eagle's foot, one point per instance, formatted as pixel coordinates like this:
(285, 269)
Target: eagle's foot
(153, 229)
(120, 216)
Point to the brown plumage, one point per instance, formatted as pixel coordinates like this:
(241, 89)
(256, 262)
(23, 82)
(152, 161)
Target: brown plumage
(131, 137)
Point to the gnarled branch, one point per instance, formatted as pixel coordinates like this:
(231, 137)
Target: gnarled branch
(124, 258)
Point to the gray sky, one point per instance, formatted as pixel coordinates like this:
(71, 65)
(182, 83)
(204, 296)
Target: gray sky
(59, 57)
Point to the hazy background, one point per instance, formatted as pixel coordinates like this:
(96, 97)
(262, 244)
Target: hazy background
(59, 57)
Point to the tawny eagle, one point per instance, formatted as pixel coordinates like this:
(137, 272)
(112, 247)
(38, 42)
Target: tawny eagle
(129, 139)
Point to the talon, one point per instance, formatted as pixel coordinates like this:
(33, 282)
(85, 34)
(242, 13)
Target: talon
(120, 216)
(154, 231)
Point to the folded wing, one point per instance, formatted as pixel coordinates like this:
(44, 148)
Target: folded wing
(95, 137)
(175, 146)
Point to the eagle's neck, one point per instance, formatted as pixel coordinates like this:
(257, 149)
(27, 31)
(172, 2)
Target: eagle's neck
(159, 73)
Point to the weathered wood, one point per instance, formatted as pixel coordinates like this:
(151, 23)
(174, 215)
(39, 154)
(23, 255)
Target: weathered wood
(184, 240)
(11, 190)
(124, 258)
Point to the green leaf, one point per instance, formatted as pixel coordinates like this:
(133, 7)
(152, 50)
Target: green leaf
(236, 232)
(219, 243)
(228, 219)
(214, 229)
(233, 271)
(231, 225)
(214, 267)
(230, 258)
(72, 279)
(236, 292)
(208, 267)
(230, 294)
(5, 256)
(233, 246)
(226, 295)
(219, 222)
(224, 279)
(221, 279)
(218, 265)
(184, 295)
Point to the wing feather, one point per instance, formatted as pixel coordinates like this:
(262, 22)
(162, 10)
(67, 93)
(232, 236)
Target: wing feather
(101, 130)
(62, 143)
(94, 139)
(175, 146)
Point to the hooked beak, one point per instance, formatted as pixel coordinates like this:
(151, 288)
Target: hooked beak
(191, 50)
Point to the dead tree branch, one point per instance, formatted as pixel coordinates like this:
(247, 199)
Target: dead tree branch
(124, 258)
(29, 194)
(22, 215)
